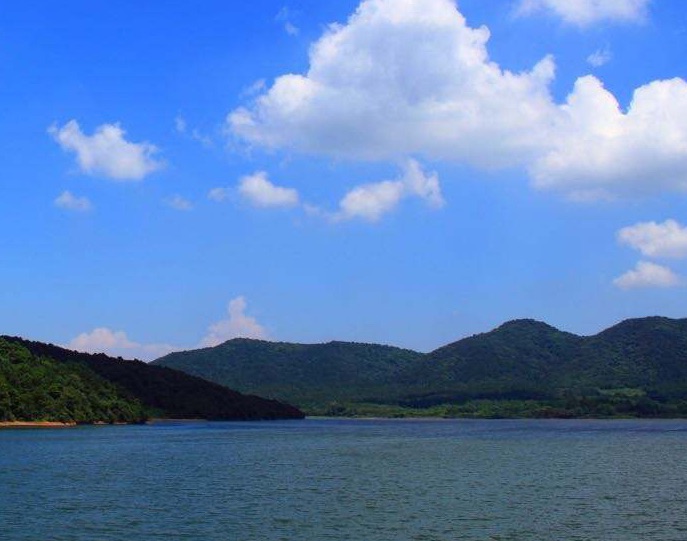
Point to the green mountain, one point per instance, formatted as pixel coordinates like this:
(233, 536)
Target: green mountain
(154, 390)
(34, 388)
(516, 360)
(307, 375)
(523, 367)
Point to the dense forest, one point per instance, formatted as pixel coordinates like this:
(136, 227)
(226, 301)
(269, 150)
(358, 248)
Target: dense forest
(34, 388)
(38, 381)
(524, 368)
(308, 374)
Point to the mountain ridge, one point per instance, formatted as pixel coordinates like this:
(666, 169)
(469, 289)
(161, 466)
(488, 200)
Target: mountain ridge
(522, 359)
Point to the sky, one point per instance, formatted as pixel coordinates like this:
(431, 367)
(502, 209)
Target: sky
(407, 172)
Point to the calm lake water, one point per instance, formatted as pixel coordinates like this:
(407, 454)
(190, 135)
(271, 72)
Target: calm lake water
(347, 480)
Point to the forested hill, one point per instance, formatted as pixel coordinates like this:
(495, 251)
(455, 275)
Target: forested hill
(526, 358)
(638, 367)
(34, 388)
(306, 373)
(160, 391)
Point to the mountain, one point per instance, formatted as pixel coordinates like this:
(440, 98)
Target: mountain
(34, 388)
(159, 390)
(519, 359)
(638, 367)
(530, 360)
(649, 352)
(303, 374)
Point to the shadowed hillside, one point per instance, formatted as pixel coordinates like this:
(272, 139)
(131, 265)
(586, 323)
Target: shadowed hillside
(166, 392)
(37, 388)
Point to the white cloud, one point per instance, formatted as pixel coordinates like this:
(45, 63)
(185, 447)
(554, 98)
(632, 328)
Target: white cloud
(259, 191)
(106, 152)
(182, 128)
(180, 124)
(410, 77)
(291, 29)
(368, 201)
(67, 200)
(599, 57)
(203, 139)
(238, 324)
(599, 148)
(285, 17)
(588, 12)
(371, 201)
(178, 202)
(647, 274)
(219, 194)
(403, 77)
(667, 239)
(117, 343)
(254, 88)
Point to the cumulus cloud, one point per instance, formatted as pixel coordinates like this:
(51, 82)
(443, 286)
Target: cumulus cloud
(599, 57)
(178, 202)
(410, 77)
(371, 201)
(647, 274)
(652, 239)
(260, 192)
(68, 201)
(368, 201)
(238, 324)
(107, 152)
(117, 343)
(588, 12)
(667, 239)
(403, 77)
(601, 149)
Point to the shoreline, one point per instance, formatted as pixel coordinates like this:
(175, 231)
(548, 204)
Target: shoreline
(36, 424)
(164, 420)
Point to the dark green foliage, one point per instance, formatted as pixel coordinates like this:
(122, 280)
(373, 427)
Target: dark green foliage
(36, 388)
(650, 353)
(529, 360)
(166, 392)
(301, 374)
(523, 368)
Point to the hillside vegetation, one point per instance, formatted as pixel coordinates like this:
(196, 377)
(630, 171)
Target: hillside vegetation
(308, 374)
(158, 391)
(39, 389)
(522, 368)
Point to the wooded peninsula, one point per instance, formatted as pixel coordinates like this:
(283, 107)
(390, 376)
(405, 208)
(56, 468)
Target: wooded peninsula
(48, 384)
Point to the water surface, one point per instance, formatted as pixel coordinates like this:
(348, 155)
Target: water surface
(347, 480)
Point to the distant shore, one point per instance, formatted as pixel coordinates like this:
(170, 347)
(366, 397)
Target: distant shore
(35, 424)
(160, 420)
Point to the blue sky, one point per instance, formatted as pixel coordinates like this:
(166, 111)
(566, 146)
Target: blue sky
(406, 172)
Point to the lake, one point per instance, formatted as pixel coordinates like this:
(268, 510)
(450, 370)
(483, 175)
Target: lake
(347, 480)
